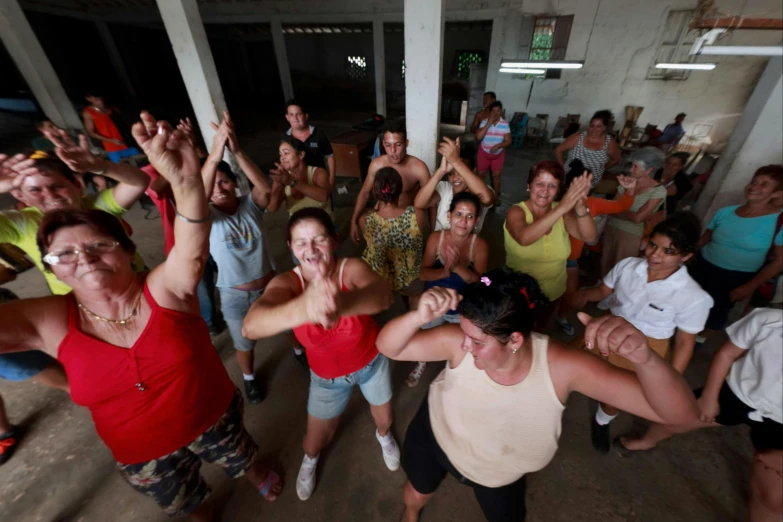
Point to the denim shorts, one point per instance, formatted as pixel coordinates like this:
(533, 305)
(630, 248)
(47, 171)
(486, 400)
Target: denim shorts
(235, 304)
(443, 319)
(19, 366)
(329, 397)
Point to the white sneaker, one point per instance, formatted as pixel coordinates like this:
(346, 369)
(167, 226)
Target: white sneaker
(415, 376)
(305, 482)
(391, 452)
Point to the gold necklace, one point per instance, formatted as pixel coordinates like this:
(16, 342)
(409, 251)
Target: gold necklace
(122, 322)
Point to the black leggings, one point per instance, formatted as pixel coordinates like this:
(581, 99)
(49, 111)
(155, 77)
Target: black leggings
(426, 465)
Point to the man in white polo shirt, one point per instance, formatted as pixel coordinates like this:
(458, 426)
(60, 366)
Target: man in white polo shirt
(658, 296)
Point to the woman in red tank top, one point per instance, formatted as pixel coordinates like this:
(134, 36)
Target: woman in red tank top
(328, 303)
(135, 350)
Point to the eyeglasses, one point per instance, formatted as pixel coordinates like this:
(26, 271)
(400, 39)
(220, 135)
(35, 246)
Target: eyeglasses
(669, 251)
(66, 257)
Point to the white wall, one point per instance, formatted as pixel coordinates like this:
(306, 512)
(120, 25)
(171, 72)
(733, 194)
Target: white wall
(617, 40)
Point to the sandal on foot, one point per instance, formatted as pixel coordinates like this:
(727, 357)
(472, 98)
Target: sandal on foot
(265, 488)
(8, 444)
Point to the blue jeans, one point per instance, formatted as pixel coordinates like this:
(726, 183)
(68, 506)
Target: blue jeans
(206, 293)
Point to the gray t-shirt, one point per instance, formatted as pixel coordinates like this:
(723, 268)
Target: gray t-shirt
(238, 244)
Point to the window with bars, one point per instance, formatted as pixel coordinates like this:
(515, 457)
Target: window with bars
(549, 41)
(463, 61)
(675, 43)
(356, 67)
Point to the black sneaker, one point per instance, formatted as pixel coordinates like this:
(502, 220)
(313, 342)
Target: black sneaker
(8, 443)
(254, 391)
(301, 358)
(601, 439)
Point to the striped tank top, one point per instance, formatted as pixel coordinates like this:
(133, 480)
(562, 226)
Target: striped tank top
(594, 160)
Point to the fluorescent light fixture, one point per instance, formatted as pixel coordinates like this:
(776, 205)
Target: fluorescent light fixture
(521, 71)
(746, 50)
(543, 64)
(690, 66)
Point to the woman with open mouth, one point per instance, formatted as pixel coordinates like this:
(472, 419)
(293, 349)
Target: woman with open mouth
(329, 303)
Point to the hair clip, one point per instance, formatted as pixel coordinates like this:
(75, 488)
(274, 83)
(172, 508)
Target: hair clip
(486, 281)
(530, 303)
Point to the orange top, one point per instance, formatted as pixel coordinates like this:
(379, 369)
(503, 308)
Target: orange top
(105, 127)
(598, 206)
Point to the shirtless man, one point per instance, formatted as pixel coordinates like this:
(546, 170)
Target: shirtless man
(413, 171)
(489, 99)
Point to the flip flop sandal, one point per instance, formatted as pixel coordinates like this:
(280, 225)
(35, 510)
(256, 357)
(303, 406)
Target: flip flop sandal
(8, 444)
(265, 489)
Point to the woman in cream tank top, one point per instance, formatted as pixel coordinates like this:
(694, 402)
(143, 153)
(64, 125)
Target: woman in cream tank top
(494, 413)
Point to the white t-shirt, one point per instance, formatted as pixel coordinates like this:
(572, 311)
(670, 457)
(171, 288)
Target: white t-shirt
(757, 378)
(659, 307)
(444, 188)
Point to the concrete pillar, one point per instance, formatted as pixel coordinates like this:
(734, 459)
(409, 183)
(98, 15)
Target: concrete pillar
(278, 41)
(424, 25)
(755, 142)
(379, 53)
(495, 52)
(30, 59)
(116, 61)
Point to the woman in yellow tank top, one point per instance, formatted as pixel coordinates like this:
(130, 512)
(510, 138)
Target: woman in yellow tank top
(494, 413)
(536, 231)
(296, 183)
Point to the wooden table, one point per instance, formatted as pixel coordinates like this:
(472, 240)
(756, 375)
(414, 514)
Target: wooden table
(352, 150)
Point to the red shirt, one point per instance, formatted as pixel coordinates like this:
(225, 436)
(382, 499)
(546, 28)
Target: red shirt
(165, 203)
(105, 127)
(343, 349)
(154, 398)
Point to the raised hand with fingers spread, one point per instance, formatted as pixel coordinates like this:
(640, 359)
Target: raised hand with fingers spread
(77, 156)
(13, 170)
(168, 150)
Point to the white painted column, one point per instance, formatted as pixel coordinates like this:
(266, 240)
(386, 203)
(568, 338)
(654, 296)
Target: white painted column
(278, 41)
(30, 59)
(756, 142)
(116, 60)
(379, 53)
(495, 53)
(424, 24)
(194, 58)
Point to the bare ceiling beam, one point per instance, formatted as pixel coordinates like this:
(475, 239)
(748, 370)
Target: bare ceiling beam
(736, 22)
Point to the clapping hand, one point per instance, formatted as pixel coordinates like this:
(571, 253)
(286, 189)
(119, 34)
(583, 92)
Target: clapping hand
(13, 171)
(450, 256)
(78, 157)
(435, 302)
(169, 151)
(322, 299)
(281, 175)
(578, 191)
(612, 334)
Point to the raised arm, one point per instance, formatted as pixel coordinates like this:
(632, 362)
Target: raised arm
(481, 132)
(361, 200)
(209, 168)
(261, 187)
(22, 324)
(614, 154)
(174, 282)
(369, 294)
(450, 150)
(428, 196)
(656, 391)
(402, 338)
(564, 147)
(131, 182)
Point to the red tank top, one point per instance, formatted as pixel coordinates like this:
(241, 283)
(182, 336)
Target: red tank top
(105, 127)
(154, 398)
(343, 349)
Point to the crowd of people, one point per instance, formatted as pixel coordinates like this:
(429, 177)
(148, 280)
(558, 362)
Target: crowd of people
(133, 344)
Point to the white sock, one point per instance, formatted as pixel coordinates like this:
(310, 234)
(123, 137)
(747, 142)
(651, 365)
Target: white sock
(298, 351)
(310, 462)
(248, 377)
(603, 418)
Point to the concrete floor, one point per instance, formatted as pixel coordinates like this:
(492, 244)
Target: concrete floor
(62, 471)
